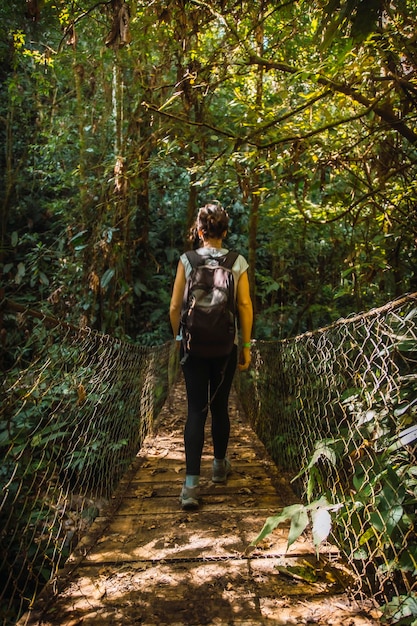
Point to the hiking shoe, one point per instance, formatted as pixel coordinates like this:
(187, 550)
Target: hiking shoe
(189, 497)
(221, 471)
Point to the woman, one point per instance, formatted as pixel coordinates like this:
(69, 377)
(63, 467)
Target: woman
(208, 380)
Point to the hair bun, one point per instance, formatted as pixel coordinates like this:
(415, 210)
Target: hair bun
(213, 221)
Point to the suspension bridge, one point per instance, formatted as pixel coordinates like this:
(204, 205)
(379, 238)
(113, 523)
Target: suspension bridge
(92, 531)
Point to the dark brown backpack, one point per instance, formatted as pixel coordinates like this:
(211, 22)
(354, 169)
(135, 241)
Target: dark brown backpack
(208, 318)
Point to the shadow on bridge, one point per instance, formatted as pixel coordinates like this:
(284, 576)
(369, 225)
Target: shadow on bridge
(148, 562)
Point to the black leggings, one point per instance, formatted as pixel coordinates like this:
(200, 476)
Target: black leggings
(212, 376)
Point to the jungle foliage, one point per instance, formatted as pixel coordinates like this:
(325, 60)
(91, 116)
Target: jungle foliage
(118, 120)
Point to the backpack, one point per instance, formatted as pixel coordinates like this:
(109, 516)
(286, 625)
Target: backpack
(208, 317)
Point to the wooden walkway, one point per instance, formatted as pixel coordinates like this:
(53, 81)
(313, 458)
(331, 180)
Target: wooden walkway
(148, 562)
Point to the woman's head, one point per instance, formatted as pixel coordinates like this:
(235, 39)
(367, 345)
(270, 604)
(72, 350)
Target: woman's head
(212, 221)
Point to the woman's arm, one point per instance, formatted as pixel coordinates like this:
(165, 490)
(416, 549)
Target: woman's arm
(244, 305)
(176, 299)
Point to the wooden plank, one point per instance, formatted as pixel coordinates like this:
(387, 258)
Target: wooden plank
(152, 563)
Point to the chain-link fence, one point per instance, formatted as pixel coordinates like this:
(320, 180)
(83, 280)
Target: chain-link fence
(75, 408)
(338, 408)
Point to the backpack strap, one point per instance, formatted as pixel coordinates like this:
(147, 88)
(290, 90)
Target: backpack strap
(195, 259)
(227, 260)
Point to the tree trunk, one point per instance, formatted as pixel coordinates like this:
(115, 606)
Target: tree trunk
(255, 178)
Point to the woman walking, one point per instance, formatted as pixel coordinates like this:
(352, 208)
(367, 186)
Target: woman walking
(208, 380)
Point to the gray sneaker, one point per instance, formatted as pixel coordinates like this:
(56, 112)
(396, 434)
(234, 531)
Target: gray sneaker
(189, 497)
(221, 471)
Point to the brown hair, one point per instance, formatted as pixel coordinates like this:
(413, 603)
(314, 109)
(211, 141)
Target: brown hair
(212, 220)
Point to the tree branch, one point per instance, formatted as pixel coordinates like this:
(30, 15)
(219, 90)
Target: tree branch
(365, 196)
(385, 112)
(78, 19)
(183, 120)
(282, 118)
(317, 131)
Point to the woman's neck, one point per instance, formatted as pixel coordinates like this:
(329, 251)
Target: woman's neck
(213, 243)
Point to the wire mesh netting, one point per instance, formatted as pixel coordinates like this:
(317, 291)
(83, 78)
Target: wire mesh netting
(338, 408)
(76, 406)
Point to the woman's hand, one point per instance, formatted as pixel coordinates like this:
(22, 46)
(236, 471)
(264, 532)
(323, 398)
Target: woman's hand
(244, 359)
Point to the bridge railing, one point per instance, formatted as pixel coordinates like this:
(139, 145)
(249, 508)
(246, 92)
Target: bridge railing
(75, 408)
(338, 408)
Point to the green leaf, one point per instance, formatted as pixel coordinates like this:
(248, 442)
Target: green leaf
(323, 450)
(299, 523)
(361, 485)
(369, 534)
(4, 438)
(360, 554)
(43, 278)
(275, 520)
(393, 518)
(139, 288)
(107, 277)
(401, 607)
(377, 521)
(78, 236)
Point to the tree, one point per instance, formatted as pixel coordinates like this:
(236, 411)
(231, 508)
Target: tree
(297, 116)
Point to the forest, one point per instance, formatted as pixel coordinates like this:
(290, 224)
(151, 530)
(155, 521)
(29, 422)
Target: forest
(118, 120)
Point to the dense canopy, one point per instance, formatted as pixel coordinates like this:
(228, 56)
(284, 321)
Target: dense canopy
(119, 119)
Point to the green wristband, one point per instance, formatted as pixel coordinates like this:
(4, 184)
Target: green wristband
(246, 345)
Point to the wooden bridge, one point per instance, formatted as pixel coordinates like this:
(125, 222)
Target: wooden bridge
(145, 561)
